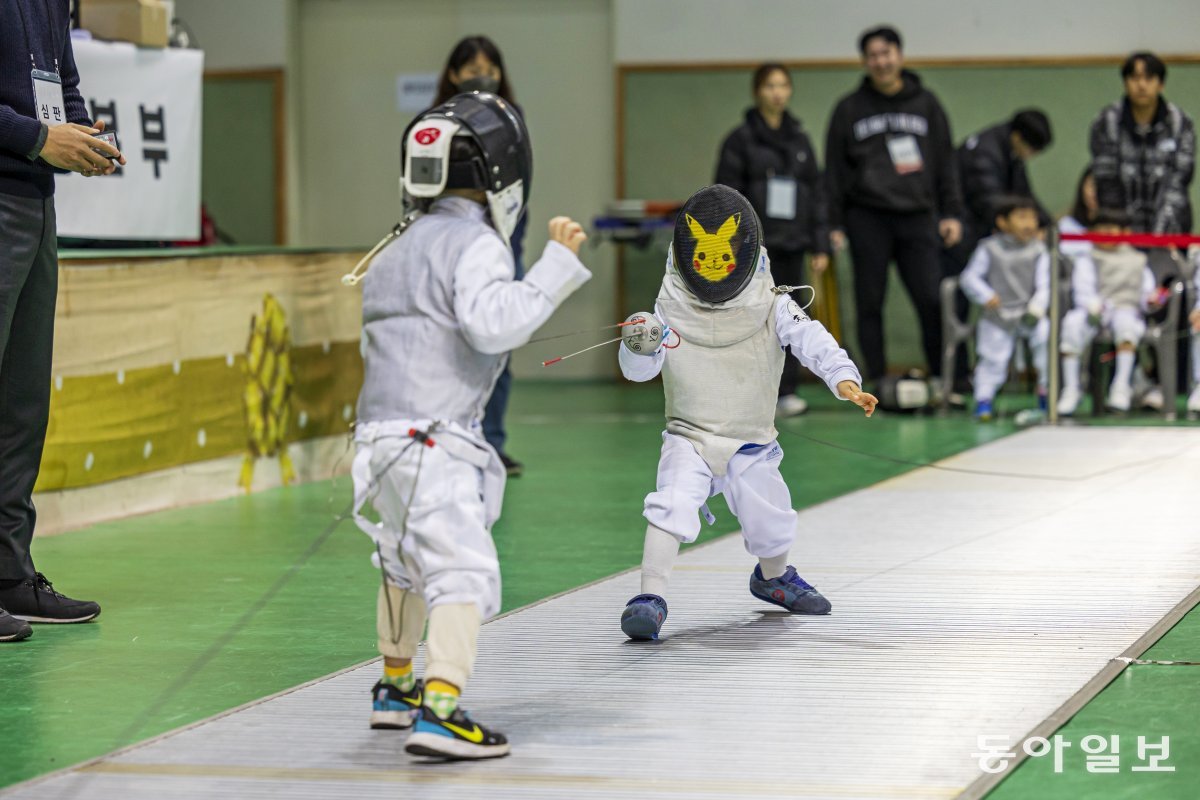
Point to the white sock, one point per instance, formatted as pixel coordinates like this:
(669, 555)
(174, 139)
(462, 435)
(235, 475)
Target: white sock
(658, 556)
(1070, 368)
(773, 567)
(1124, 371)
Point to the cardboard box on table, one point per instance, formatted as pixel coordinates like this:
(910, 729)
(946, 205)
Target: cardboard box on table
(143, 22)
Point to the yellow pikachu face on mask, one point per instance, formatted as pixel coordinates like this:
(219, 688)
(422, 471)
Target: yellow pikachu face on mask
(714, 258)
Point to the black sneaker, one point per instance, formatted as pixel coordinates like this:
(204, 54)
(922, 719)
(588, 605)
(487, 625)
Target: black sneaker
(13, 629)
(458, 737)
(512, 467)
(34, 600)
(393, 709)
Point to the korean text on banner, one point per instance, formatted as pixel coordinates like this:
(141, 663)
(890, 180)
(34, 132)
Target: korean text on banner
(152, 99)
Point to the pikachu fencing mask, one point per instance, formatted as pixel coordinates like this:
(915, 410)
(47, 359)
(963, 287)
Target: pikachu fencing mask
(716, 244)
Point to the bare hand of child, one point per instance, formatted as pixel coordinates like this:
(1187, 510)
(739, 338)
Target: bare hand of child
(993, 302)
(1194, 319)
(567, 231)
(854, 393)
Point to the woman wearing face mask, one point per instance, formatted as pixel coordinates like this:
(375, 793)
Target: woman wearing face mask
(770, 160)
(475, 64)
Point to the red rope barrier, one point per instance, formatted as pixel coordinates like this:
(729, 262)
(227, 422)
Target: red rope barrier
(1135, 239)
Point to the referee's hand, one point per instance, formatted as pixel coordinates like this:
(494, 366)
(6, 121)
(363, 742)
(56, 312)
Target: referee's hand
(73, 148)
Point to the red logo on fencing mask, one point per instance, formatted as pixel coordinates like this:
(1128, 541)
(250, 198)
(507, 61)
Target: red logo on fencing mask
(427, 135)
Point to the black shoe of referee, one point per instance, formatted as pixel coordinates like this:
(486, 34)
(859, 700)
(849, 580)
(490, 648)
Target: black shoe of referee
(13, 629)
(35, 600)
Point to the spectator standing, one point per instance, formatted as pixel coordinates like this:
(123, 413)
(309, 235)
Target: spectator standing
(44, 129)
(893, 192)
(769, 158)
(476, 64)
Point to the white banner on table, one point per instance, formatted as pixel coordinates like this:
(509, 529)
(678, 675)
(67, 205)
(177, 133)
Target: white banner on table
(152, 99)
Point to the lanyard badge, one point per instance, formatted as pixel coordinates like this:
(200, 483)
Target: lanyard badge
(48, 98)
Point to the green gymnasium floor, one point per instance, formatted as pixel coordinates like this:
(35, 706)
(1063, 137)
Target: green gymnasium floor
(210, 607)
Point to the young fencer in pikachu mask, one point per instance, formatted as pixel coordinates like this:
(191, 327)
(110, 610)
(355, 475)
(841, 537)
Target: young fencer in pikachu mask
(717, 336)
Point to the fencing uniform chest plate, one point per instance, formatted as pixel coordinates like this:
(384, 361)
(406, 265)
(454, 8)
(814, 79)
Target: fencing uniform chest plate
(1012, 269)
(1119, 276)
(722, 381)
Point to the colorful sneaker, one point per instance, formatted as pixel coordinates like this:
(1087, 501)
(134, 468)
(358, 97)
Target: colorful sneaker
(643, 617)
(458, 737)
(392, 708)
(790, 591)
(983, 411)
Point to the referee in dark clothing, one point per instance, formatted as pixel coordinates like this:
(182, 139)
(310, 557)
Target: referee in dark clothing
(893, 193)
(44, 128)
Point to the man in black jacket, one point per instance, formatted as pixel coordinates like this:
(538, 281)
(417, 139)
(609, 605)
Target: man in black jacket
(991, 166)
(44, 128)
(893, 192)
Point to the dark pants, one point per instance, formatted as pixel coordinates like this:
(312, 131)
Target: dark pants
(28, 286)
(876, 238)
(497, 405)
(788, 270)
(954, 261)
(493, 412)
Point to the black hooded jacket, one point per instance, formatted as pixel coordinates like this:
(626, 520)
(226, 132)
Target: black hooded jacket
(989, 169)
(859, 166)
(754, 152)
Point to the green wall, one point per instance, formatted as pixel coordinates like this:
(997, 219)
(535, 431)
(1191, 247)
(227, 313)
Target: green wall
(238, 164)
(675, 120)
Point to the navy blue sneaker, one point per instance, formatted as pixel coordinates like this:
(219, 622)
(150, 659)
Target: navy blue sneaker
(643, 617)
(457, 737)
(983, 411)
(790, 591)
(392, 709)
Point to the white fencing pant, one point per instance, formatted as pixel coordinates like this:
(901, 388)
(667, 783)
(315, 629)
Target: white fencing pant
(753, 488)
(436, 540)
(1127, 325)
(994, 348)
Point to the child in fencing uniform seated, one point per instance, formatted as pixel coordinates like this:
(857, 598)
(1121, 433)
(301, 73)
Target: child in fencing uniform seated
(440, 313)
(731, 325)
(1113, 289)
(1008, 276)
